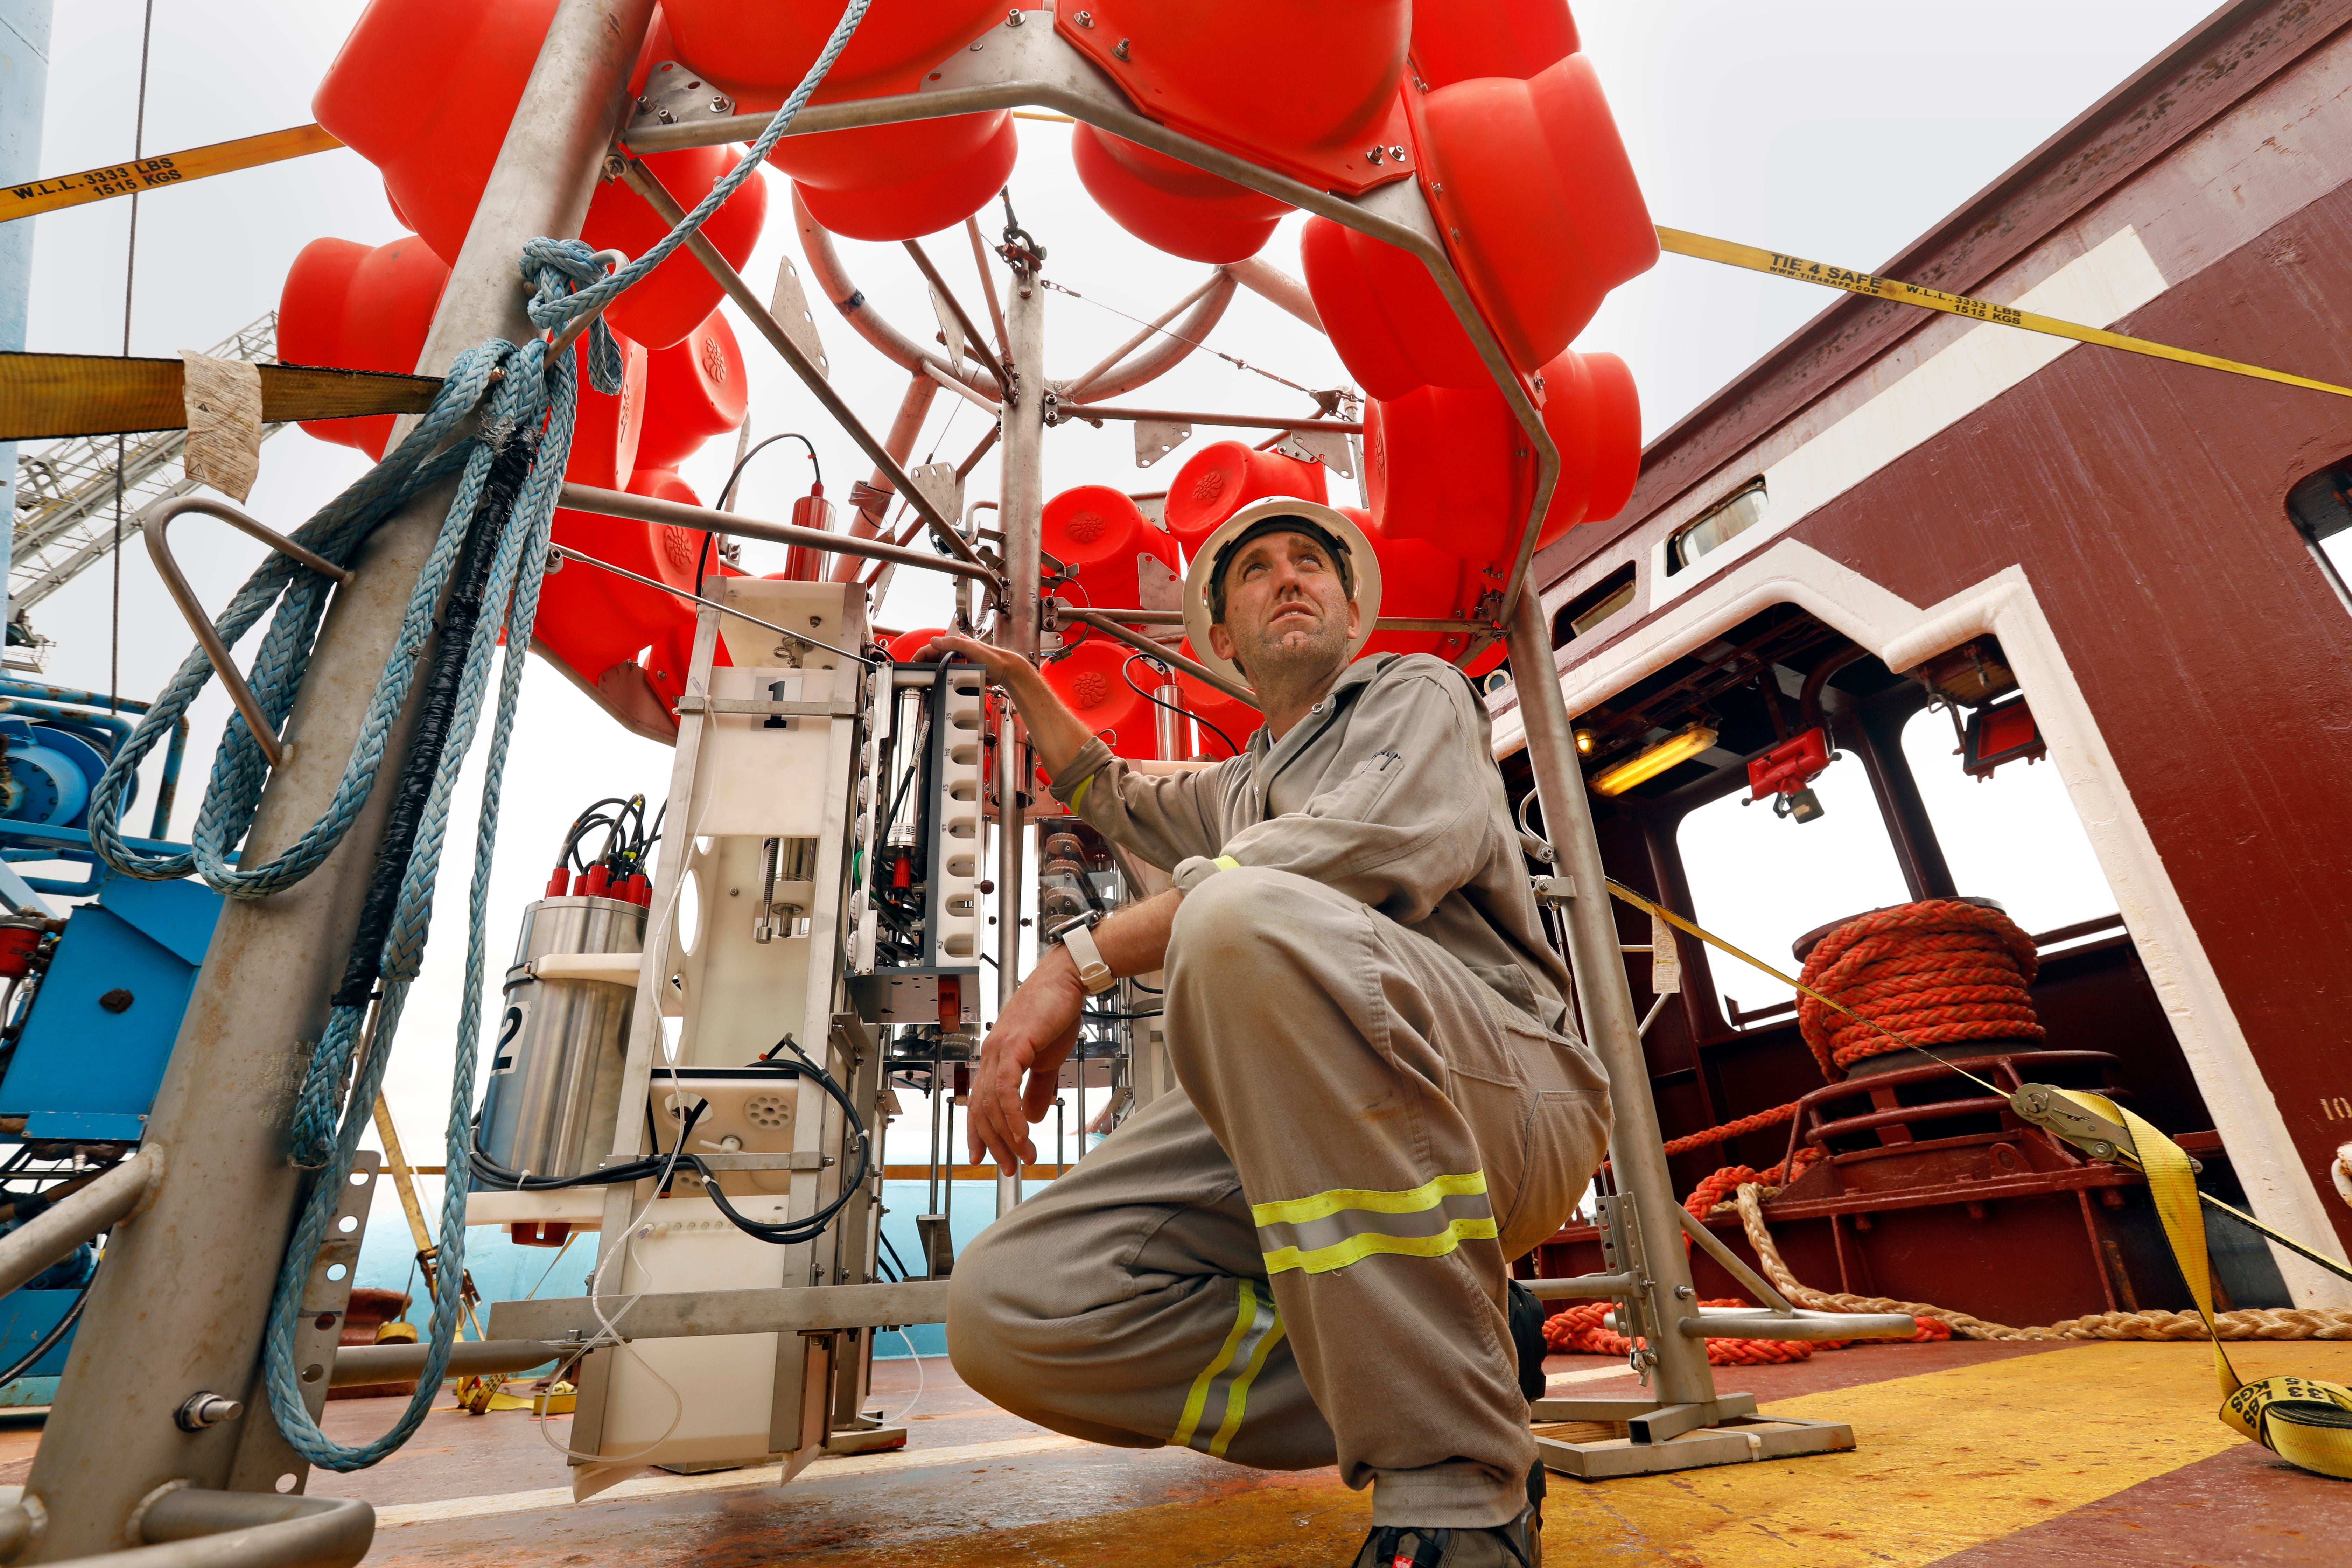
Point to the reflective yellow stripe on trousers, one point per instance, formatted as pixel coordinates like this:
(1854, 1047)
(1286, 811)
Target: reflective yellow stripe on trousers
(1257, 1328)
(1333, 1229)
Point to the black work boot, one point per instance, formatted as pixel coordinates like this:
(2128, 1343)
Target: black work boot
(1527, 1338)
(1409, 1546)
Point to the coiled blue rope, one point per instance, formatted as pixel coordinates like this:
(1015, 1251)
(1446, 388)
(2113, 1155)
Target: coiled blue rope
(534, 400)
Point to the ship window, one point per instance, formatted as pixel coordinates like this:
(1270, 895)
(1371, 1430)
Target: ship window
(2321, 507)
(1718, 527)
(2013, 836)
(1762, 882)
(1595, 605)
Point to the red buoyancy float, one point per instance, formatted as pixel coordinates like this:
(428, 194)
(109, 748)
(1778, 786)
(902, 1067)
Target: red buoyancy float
(604, 429)
(889, 182)
(1105, 535)
(423, 89)
(1308, 87)
(676, 555)
(1462, 39)
(349, 306)
(1388, 321)
(1531, 185)
(1170, 204)
(907, 648)
(694, 390)
(661, 308)
(1222, 478)
(1447, 466)
(1091, 679)
(1418, 583)
(758, 53)
(592, 619)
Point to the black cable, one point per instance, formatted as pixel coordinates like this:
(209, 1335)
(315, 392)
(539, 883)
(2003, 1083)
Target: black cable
(655, 1164)
(791, 1233)
(896, 1261)
(1173, 708)
(1121, 1017)
(727, 495)
(49, 1341)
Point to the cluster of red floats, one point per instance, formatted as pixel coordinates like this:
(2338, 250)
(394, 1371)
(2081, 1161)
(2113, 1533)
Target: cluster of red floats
(1488, 103)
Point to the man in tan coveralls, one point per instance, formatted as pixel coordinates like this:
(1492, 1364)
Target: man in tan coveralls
(1302, 1257)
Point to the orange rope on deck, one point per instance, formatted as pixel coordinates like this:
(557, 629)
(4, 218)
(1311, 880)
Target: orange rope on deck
(1579, 1331)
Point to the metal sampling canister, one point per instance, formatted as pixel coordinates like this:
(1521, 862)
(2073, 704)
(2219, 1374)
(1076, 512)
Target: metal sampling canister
(555, 1063)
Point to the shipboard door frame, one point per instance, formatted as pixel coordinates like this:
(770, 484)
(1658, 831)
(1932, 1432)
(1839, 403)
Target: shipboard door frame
(2246, 1113)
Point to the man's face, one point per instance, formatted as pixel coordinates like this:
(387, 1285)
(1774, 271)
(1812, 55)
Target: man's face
(1286, 609)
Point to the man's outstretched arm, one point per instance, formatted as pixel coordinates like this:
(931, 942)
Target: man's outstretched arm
(1040, 1027)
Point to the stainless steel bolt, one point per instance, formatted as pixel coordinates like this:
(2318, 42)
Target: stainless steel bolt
(1012, 18)
(1085, 18)
(205, 1408)
(1398, 153)
(1372, 154)
(1120, 50)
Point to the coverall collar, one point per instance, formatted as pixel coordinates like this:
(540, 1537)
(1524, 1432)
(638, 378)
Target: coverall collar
(1268, 756)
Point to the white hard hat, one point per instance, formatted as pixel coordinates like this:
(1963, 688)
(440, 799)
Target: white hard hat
(1363, 566)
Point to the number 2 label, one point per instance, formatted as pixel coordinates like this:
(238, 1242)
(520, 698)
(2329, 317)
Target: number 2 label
(503, 1055)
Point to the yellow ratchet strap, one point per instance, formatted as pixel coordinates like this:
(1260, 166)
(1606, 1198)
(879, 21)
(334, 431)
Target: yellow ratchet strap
(1755, 260)
(2303, 1420)
(168, 169)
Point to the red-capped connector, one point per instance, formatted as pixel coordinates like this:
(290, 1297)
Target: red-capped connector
(597, 884)
(902, 871)
(638, 889)
(558, 885)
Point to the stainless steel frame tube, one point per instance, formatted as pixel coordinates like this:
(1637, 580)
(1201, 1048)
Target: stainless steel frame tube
(1612, 1026)
(185, 1289)
(42, 1241)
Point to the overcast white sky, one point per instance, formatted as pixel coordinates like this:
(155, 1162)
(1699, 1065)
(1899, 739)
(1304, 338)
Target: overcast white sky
(1800, 129)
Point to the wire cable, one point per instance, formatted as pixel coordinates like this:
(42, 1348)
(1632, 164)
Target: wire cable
(1167, 333)
(1173, 708)
(49, 1341)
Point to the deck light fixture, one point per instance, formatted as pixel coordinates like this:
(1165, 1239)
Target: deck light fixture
(1651, 761)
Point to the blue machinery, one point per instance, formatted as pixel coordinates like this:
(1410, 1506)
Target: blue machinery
(95, 992)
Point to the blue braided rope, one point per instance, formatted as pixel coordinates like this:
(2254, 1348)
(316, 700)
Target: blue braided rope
(328, 1122)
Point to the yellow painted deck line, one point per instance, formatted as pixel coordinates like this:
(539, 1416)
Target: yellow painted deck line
(1947, 1460)
(644, 1488)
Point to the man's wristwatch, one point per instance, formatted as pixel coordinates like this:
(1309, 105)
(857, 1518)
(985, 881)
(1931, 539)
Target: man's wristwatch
(1078, 936)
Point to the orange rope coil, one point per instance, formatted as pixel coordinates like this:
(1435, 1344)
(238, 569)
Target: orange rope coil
(1937, 973)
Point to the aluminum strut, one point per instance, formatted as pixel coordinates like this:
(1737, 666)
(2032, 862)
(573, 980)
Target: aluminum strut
(213, 1237)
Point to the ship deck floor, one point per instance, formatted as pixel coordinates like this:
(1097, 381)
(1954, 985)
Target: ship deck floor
(1970, 1455)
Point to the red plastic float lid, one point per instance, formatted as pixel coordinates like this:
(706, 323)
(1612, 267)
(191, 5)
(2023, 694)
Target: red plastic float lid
(1090, 523)
(1226, 476)
(1091, 679)
(695, 389)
